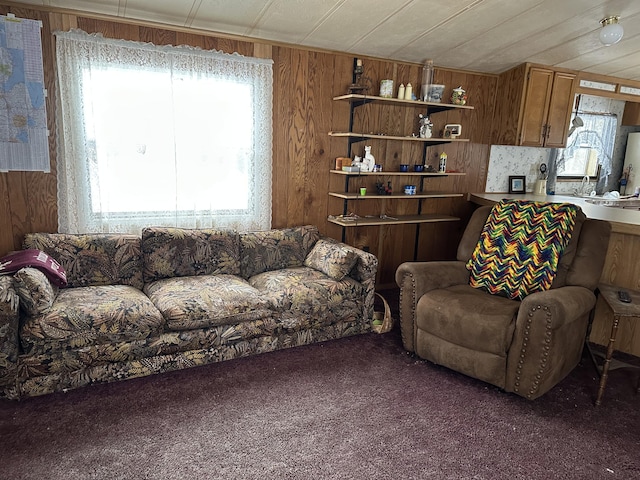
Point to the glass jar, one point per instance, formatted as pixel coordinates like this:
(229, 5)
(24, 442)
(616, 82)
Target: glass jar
(458, 96)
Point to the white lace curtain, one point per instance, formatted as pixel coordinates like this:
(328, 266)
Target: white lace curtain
(161, 135)
(598, 133)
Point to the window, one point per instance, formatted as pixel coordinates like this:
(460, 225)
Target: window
(589, 146)
(172, 136)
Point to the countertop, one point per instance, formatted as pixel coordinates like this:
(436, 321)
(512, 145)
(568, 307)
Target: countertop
(622, 220)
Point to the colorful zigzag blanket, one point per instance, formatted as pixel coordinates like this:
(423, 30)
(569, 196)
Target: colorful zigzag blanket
(520, 247)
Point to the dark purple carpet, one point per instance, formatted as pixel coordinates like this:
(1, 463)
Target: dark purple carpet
(356, 408)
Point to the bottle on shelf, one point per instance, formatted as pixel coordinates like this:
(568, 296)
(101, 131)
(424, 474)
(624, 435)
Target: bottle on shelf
(427, 79)
(401, 91)
(442, 166)
(408, 92)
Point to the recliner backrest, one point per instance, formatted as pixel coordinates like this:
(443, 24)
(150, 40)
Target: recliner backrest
(580, 264)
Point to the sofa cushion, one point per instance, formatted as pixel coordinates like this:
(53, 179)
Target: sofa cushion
(92, 315)
(445, 314)
(180, 252)
(331, 258)
(35, 290)
(208, 300)
(275, 249)
(93, 259)
(520, 247)
(308, 298)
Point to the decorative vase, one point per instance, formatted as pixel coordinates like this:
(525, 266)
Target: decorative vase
(458, 96)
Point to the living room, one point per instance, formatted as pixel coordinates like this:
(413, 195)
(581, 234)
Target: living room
(305, 82)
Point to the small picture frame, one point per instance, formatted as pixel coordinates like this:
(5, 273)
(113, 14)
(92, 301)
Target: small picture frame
(517, 184)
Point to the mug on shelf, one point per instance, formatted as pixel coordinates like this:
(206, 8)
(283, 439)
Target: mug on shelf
(404, 167)
(409, 189)
(418, 168)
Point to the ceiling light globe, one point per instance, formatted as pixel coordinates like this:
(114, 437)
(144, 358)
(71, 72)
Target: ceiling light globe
(611, 33)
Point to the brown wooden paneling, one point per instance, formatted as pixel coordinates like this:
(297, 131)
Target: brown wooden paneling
(282, 110)
(318, 123)
(6, 232)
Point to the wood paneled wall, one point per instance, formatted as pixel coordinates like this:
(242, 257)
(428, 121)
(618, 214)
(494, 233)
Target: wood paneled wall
(305, 81)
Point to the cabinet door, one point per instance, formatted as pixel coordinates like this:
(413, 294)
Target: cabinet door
(536, 107)
(631, 116)
(560, 110)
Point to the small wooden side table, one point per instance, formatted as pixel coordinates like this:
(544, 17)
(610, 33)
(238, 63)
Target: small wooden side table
(620, 310)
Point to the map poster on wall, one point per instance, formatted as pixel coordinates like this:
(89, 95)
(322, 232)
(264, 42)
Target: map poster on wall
(23, 117)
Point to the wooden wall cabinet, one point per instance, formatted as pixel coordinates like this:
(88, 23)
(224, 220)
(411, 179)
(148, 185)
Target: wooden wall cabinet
(534, 107)
(631, 116)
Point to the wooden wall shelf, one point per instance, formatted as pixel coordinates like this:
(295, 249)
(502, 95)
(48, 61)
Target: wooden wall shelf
(392, 220)
(362, 136)
(434, 107)
(394, 196)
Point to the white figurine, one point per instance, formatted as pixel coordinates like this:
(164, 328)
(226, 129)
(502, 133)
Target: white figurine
(425, 126)
(369, 161)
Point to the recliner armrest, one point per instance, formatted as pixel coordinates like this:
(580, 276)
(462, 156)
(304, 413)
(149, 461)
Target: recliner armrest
(417, 278)
(565, 304)
(548, 339)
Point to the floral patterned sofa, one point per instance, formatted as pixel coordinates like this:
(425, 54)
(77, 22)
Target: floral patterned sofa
(174, 298)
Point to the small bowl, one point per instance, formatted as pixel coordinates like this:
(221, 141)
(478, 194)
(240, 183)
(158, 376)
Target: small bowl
(404, 167)
(418, 168)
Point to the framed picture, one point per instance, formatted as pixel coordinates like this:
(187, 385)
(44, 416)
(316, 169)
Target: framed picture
(517, 184)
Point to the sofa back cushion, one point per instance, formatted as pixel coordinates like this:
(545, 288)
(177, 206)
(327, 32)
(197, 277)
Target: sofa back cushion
(179, 252)
(590, 255)
(93, 259)
(476, 224)
(276, 249)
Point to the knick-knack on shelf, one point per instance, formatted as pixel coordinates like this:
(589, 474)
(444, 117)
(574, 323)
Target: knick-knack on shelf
(368, 163)
(425, 126)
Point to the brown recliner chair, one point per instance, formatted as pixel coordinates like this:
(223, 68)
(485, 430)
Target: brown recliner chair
(525, 347)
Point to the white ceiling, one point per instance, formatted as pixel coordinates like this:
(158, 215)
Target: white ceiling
(479, 35)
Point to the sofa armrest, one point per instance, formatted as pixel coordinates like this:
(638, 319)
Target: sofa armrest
(9, 340)
(365, 271)
(548, 339)
(417, 278)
